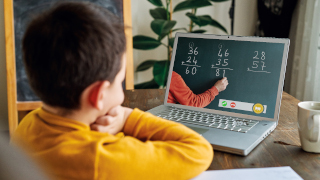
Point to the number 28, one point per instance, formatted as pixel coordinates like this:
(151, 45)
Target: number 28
(263, 55)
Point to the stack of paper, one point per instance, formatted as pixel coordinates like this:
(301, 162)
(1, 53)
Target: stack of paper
(272, 173)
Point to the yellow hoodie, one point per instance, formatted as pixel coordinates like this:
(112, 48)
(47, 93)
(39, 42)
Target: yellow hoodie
(148, 148)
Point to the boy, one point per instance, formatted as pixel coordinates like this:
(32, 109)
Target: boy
(75, 62)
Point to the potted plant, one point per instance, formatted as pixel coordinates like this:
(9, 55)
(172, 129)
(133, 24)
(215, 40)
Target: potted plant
(163, 26)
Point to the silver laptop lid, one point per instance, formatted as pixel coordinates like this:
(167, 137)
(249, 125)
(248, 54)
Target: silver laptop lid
(255, 68)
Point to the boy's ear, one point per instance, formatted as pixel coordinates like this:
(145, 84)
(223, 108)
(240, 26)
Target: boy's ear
(97, 94)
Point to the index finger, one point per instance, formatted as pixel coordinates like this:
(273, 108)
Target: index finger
(103, 120)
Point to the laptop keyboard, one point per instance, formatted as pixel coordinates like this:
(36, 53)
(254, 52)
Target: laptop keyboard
(208, 119)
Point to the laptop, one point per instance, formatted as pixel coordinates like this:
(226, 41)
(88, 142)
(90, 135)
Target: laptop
(247, 111)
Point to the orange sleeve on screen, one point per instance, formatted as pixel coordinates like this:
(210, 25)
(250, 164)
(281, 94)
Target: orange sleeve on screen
(181, 93)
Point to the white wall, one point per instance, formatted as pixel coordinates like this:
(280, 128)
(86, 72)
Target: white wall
(246, 16)
(244, 25)
(3, 76)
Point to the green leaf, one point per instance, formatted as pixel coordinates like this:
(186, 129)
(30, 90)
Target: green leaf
(158, 13)
(160, 72)
(200, 20)
(171, 41)
(156, 2)
(162, 27)
(146, 65)
(199, 31)
(217, 1)
(206, 20)
(191, 4)
(157, 25)
(185, 29)
(147, 85)
(145, 42)
(218, 25)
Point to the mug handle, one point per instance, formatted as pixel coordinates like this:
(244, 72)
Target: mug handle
(314, 128)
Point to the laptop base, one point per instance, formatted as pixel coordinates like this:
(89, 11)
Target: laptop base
(229, 141)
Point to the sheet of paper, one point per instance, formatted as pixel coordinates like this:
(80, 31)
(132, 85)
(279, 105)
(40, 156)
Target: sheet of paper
(274, 173)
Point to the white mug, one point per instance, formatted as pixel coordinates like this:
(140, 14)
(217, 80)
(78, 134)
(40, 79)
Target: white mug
(309, 125)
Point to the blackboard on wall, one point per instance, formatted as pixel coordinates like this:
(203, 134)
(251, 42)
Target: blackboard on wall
(255, 70)
(24, 11)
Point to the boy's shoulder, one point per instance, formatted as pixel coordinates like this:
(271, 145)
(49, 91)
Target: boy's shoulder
(28, 120)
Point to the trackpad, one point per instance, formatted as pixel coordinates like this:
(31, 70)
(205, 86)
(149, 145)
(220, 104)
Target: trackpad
(198, 130)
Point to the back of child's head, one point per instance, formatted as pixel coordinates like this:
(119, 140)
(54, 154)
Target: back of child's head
(69, 47)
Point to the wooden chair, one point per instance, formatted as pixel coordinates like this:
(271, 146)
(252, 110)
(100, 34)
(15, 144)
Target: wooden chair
(16, 107)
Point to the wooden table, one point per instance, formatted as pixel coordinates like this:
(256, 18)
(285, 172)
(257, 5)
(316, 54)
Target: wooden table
(281, 148)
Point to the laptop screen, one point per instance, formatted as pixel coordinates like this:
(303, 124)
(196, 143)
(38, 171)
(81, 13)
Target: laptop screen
(254, 68)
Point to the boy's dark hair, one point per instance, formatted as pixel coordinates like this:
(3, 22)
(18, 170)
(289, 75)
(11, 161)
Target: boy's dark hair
(69, 47)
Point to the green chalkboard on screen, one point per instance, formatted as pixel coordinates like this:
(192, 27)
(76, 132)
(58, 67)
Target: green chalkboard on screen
(254, 68)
